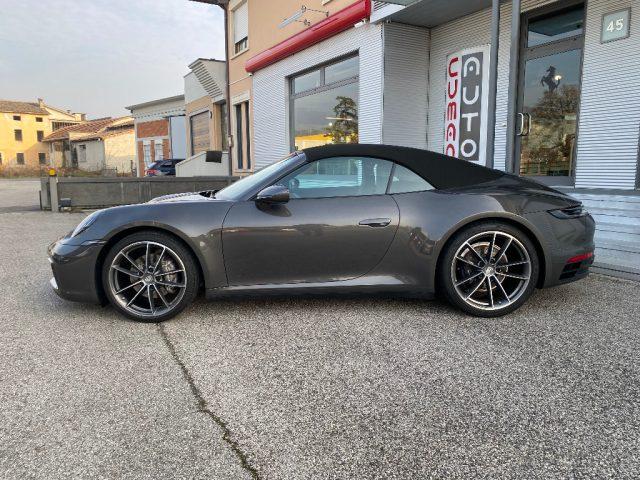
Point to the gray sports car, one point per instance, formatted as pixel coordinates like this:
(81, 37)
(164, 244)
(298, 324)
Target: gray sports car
(339, 218)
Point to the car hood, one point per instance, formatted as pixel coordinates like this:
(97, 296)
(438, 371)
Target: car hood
(185, 197)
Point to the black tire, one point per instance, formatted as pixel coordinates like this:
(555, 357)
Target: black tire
(162, 242)
(448, 270)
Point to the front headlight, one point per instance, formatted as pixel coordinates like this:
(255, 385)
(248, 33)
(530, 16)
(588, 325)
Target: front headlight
(85, 224)
(574, 211)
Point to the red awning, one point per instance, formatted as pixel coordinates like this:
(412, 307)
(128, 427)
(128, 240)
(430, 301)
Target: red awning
(336, 23)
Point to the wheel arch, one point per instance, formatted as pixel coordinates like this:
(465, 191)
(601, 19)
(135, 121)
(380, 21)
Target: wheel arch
(513, 221)
(120, 234)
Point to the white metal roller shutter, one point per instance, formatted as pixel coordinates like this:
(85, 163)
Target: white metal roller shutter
(610, 104)
(406, 81)
(241, 22)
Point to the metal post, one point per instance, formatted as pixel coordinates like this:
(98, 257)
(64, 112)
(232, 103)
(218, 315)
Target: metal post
(53, 192)
(493, 82)
(513, 86)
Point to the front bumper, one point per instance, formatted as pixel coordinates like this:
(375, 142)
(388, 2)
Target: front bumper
(75, 275)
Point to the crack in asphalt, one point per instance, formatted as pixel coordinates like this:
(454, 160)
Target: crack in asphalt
(204, 408)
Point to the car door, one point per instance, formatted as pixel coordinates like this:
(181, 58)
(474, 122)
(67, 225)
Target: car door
(337, 225)
(167, 167)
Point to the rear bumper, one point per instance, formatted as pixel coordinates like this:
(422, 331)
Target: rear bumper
(563, 270)
(569, 249)
(74, 271)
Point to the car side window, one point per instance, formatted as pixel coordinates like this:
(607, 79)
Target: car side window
(339, 177)
(406, 181)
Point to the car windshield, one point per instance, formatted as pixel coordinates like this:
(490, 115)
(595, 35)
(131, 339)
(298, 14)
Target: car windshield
(242, 187)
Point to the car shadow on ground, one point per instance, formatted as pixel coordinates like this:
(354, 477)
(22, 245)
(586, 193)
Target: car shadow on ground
(544, 302)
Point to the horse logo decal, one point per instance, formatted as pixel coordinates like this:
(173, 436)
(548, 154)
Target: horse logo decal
(551, 79)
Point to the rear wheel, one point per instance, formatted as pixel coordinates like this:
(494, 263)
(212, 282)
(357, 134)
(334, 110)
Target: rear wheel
(489, 269)
(150, 276)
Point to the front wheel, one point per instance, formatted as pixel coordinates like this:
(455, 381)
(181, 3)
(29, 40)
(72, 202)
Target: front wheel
(489, 269)
(150, 276)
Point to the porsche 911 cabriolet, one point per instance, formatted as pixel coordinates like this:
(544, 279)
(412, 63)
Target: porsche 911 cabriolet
(350, 218)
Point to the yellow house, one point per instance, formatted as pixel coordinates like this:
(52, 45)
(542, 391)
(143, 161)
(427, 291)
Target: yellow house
(23, 126)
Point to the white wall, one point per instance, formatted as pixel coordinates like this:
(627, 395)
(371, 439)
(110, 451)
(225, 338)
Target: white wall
(196, 166)
(193, 89)
(120, 152)
(610, 108)
(160, 110)
(406, 82)
(271, 91)
(94, 155)
(178, 133)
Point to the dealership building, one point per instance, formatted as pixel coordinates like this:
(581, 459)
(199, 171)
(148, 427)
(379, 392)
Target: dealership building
(545, 89)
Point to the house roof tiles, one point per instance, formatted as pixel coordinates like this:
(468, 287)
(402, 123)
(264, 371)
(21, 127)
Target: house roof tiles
(11, 106)
(89, 130)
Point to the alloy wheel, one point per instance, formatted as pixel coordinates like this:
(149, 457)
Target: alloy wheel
(491, 270)
(147, 279)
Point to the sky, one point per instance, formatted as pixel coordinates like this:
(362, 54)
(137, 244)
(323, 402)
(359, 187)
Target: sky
(99, 56)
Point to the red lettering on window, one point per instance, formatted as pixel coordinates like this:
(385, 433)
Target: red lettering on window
(452, 111)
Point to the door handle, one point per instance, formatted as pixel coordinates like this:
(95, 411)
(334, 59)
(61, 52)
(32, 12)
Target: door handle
(375, 222)
(520, 133)
(529, 124)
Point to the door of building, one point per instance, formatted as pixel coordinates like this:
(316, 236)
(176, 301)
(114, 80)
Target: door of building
(549, 94)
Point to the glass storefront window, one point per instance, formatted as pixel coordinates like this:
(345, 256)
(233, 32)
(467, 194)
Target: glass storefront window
(556, 26)
(325, 117)
(342, 70)
(308, 81)
(327, 113)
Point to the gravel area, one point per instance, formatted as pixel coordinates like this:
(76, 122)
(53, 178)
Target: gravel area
(302, 388)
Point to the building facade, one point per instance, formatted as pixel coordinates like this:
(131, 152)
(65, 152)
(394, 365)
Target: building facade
(104, 145)
(206, 119)
(110, 150)
(160, 131)
(23, 126)
(545, 89)
(253, 28)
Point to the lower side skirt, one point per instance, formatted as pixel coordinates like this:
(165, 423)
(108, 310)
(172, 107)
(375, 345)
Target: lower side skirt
(386, 286)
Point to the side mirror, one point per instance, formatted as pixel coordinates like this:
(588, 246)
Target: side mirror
(273, 195)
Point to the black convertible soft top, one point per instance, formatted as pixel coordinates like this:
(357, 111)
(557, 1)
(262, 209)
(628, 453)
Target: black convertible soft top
(441, 171)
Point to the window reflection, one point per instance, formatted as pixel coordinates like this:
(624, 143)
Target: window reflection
(325, 117)
(324, 106)
(551, 98)
(307, 81)
(339, 177)
(556, 26)
(342, 70)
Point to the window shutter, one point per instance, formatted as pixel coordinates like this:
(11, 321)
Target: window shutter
(200, 132)
(241, 22)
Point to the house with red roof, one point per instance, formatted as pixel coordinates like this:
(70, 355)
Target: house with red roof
(101, 145)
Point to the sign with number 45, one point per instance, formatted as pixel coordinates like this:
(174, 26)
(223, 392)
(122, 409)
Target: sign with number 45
(615, 25)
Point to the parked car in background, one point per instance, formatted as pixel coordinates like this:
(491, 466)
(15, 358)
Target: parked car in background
(163, 168)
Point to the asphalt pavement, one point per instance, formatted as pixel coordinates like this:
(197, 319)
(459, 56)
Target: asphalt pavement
(303, 388)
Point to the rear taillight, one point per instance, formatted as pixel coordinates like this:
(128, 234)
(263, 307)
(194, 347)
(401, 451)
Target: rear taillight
(580, 258)
(574, 211)
(577, 264)
(152, 171)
